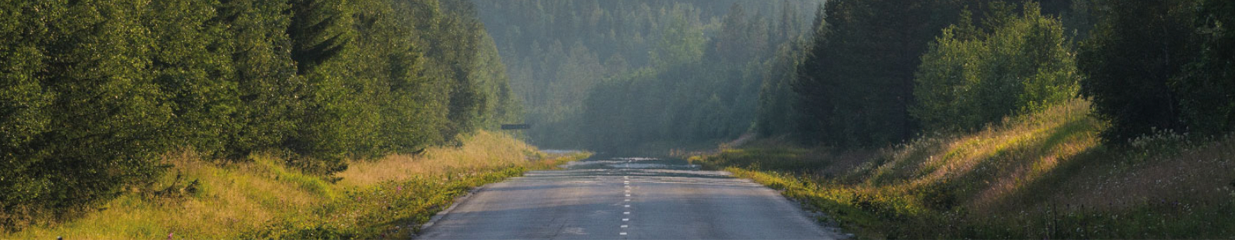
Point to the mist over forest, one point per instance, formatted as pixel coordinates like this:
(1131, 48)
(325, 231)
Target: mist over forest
(294, 119)
(626, 75)
(647, 76)
(913, 119)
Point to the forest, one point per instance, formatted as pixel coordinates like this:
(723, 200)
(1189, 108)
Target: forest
(1143, 65)
(853, 74)
(1006, 119)
(93, 92)
(913, 119)
(644, 75)
(905, 119)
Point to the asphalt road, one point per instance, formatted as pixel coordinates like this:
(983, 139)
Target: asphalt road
(625, 198)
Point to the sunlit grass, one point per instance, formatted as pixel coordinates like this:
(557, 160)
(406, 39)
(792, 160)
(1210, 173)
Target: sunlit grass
(385, 198)
(229, 199)
(1045, 174)
(483, 150)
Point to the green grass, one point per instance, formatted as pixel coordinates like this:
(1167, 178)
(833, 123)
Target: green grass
(386, 210)
(383, 198)
(1044, 175)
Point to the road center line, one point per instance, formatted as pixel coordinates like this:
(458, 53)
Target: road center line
(626, 188)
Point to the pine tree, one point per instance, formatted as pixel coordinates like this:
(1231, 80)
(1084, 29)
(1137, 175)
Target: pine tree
(271, 94)
(190, 63)
(1134, 50)
(1207, 86)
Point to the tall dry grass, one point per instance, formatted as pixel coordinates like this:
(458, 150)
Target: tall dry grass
(1041, 175)
(482, 151)
(261, 198)
(226, 200)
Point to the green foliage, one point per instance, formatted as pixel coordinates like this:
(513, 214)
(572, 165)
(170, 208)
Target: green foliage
(681, 41)
(25, 107)
(335, 117)
(1206, 85)
(559, 52)
(1160, 66)
(385, 209)
(81, 113)
(856, 82)
(94, 91)
(686, 104)
(271, 95)
(1134, 51)
(776, 97)
(316, 32)
(502, 106)
(699, 100)
(192, 66)
(855, 87)
(1040, 175)
(970, 79)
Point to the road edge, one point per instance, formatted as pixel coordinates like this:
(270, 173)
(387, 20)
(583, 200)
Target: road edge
(811, 214)
(424, 228)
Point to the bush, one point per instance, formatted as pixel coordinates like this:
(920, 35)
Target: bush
(969, 79)
(1128, 84)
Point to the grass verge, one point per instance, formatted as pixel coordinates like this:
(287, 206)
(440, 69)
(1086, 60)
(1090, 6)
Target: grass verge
(1044, 175)
(384, 198)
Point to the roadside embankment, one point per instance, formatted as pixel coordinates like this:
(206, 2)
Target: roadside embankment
(1043, 175)
(261, 198)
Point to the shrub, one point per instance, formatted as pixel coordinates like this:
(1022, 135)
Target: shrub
(970, 79)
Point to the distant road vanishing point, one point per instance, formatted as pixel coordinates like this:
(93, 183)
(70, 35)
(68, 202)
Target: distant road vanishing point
(626, 198)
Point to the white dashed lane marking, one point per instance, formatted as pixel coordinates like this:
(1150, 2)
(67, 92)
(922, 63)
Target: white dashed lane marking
(626, 190)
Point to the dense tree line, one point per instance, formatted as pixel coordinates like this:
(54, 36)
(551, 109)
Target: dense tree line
(93, 91)
(880, 72)
(1161, 66)
(699, 90)
(970, 77)
(869, 73)
(856, 83)
(855, 86)
(560, 53)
